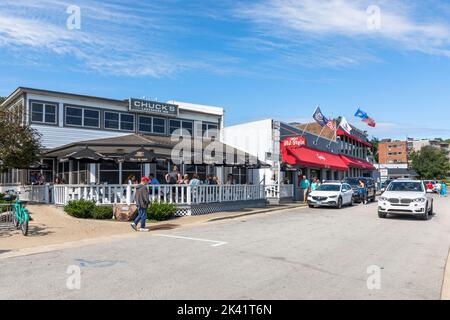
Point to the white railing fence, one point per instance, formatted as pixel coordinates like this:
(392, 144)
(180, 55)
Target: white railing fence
(177, 194)
(279, 192)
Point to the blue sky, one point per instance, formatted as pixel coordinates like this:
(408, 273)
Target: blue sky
(257, 59)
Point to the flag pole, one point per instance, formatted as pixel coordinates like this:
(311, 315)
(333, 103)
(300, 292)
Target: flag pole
(307, 125)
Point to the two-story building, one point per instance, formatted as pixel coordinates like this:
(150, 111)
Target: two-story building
(69, 122)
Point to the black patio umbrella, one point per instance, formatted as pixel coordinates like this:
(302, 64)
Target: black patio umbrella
(141, 155)
(87, 155)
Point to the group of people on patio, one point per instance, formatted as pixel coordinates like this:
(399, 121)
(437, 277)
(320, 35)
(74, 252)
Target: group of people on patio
(176, 178)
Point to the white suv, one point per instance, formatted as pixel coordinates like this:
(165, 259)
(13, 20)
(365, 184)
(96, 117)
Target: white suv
(406, 197)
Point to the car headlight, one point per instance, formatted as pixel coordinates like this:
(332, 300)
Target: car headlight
(383, 199)
(420, 200)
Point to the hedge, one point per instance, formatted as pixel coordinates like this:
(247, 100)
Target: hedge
(82, 209)
(103, 212)
(161, 211)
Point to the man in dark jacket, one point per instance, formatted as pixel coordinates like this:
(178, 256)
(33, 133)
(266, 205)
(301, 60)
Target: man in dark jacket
(142, 200)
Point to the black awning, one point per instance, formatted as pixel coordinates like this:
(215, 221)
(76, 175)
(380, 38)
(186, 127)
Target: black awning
(86, 155)
(141, 155)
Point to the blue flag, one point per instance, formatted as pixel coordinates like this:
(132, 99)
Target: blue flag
(361, 114)
(320, 118)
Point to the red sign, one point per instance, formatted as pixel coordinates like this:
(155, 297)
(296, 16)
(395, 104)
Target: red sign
(294, 142)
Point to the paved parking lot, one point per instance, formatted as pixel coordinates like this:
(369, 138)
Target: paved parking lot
(297, 254)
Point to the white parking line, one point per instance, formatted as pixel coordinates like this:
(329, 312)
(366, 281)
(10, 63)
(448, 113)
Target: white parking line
(216, 243)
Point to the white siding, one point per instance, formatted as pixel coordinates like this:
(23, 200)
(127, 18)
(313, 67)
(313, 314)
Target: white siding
(256, 138)
(53, 137)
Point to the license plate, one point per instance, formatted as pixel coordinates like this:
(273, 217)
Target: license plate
(319, 203)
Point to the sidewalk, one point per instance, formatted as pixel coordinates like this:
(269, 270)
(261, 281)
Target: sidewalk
(52, 229)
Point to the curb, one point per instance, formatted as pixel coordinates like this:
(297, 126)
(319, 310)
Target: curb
(445, 293)
(284, 208)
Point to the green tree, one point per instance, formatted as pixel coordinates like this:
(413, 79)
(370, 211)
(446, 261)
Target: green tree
(430, 163)
(375, 142)
(20, 145)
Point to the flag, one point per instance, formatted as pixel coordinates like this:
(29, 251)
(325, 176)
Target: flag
(345, 125)
(331, 125)
(320, 118)
(361, 114)
(370, 122)
(365, 118)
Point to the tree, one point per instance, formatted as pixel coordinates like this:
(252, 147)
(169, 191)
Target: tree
(20, 145)
(375, 142)
(430, 163)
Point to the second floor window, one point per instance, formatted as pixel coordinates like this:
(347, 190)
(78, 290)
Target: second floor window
(181, 124)
(152, 125)
(43, 113)
(82, 117)
(119, 121)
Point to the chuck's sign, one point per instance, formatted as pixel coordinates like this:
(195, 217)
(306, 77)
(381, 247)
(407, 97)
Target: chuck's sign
(294, 142)
(145, 106)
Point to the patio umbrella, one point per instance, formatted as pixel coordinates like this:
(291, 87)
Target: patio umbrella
(141, 155)
(87, 155)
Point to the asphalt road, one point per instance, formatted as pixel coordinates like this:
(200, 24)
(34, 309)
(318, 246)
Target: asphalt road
(299, 254)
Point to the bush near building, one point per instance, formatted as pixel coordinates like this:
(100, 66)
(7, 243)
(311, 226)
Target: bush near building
(161, 211)
(84, 209)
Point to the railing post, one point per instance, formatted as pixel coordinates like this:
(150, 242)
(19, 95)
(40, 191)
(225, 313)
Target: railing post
(46, 194)
(189, 195)
(66, 195)
(128, 197)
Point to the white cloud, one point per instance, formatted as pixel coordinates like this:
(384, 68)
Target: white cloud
(342, 22)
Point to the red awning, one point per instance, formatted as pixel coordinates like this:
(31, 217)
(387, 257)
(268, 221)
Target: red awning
(341, 132)
(357, 163)
(314, 158)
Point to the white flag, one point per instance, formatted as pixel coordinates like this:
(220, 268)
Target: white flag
(345, 125)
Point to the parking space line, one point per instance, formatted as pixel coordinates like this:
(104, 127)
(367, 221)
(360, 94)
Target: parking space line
(216, 243)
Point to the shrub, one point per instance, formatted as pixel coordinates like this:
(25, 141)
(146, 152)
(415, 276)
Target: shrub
(161, 211)
(83, 209)
(102, 212)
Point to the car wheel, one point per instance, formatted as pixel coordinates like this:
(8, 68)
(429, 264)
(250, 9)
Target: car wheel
(382, 215)
(311, 206)
(425, 216)
(432, 209)
(339, 203)
(374, 198)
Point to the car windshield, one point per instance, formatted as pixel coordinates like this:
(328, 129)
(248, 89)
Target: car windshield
(406, 186)
(352, 182)
(329, 187)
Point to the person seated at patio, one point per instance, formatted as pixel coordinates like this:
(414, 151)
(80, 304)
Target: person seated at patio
(131, 180)
(154, 182)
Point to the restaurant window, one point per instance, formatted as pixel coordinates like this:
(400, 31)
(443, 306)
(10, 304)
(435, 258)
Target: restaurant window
(108, 173)
(82, 173)
(159, 125)
(43, 113)
(161, 171)
(82, 117)
(152, 125)
(131, 169)
(209, 130)
(119, 121)
(190, 170)
(48, 170)
(180, 124)
(239, 175)
(63, 171)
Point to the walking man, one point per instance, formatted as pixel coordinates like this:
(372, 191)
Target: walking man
(142, 201)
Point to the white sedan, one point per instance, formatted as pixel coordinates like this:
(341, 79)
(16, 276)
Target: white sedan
(406, 197)
(331, 195)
